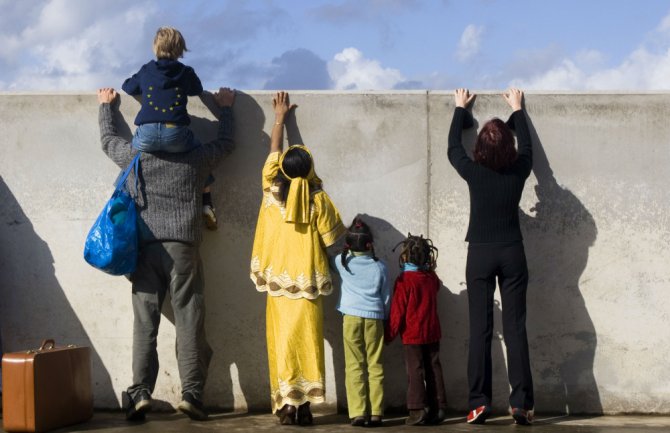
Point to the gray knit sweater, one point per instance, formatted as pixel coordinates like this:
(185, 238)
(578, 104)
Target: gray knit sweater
(169, 202)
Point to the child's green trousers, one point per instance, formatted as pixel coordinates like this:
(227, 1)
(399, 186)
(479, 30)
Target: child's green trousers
(363, 357)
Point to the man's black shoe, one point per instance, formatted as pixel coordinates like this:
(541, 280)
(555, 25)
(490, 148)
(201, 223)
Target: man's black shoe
(192, 407)
(136, 409)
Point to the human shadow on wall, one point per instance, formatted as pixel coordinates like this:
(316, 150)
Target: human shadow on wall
(34, 306)
(236, 311)
(561, 334)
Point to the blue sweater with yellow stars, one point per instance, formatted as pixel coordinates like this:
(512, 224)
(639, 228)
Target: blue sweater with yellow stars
(164, 85)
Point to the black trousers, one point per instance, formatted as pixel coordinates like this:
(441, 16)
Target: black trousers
(507, 263)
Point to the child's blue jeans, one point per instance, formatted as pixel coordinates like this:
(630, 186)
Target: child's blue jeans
(166, 137)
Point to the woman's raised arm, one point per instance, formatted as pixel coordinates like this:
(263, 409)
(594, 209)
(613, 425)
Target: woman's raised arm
(282, 107)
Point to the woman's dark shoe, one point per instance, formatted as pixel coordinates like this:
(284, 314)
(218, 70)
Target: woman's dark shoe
(479, 415)
(305, 415)
(523, 416)
(416, 417)
(287, 415)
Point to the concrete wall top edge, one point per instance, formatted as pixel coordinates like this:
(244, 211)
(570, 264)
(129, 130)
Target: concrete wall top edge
(560, 92)
(370, 92)
(257, 92)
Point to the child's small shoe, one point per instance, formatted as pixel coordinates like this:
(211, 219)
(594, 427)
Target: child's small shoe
(416, 417)
(209, 215)
(375, 421)
(358, 421)
(436, 417)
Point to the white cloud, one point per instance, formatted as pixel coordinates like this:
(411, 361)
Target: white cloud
(84, 44)
(646, 68)
(61, 47)
(470, 43)
(349, 70)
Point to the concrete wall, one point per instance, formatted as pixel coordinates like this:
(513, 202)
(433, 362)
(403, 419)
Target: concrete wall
(594, 216)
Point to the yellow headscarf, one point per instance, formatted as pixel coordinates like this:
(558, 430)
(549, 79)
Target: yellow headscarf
(297, 201)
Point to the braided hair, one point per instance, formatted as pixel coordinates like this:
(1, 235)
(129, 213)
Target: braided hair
(358, 239)
(419, 251)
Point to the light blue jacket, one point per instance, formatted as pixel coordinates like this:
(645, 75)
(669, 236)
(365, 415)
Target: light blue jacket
(365, 290)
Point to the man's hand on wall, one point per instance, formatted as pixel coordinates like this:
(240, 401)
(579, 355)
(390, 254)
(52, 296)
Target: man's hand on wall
(106, 95)
(225, 97)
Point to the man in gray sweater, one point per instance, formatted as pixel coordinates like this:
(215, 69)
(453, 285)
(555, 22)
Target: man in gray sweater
(169, 203)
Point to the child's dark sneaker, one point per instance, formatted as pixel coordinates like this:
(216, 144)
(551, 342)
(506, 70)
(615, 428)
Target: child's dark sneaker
(435, 417)
(358, 421)
(523, 416)
(136, 409)
(416, 417)
(479, 415)
(192, 407)
(209, 215)
(375, 421)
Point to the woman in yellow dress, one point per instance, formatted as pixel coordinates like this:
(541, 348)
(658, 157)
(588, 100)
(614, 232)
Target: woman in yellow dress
(296, 222)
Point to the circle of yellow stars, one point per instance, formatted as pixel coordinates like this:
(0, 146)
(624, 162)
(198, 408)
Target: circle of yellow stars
(171, 107)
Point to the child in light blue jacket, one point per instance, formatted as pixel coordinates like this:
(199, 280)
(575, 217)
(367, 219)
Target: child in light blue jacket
(364, 303)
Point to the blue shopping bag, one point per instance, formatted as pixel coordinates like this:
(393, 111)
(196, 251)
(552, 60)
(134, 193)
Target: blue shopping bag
(111, 244)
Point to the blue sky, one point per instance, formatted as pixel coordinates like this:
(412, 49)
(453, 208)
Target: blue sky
(80, 45)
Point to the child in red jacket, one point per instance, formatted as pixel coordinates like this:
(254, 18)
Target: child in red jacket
(414, 316)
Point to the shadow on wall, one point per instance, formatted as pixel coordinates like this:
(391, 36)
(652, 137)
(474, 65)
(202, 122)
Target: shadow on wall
(561, 334)
(33, 295)
(238, 376)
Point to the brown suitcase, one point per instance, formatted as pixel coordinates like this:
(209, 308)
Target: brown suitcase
(46, 388)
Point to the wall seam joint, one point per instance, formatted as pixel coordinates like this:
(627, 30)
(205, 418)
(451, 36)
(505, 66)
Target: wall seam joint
(428, 165)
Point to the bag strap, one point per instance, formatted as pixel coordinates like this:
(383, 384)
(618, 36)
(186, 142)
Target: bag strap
(134, 164)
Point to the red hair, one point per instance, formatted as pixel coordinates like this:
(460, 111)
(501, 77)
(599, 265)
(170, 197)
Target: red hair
(495, 146)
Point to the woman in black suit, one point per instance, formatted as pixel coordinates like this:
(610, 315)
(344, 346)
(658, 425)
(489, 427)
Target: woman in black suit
(495, 178)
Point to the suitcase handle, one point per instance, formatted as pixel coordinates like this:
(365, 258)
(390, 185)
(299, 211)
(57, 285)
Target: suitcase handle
(47, 344)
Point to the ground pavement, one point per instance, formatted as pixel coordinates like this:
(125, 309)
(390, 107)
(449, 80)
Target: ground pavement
(114, 422)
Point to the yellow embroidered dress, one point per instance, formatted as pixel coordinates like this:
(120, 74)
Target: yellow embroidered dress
(289, 262)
